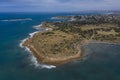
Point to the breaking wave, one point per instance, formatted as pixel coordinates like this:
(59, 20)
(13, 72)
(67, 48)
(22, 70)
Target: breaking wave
(39, 65)
(38, 26)
(32, 57)
(35, 63)
(13, 20)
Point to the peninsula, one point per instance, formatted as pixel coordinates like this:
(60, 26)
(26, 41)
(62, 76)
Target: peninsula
(62, 41)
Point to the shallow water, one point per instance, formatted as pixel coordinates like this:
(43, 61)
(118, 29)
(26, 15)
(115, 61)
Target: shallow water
(101, 61)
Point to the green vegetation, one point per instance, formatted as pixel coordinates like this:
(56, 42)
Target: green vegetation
(95, 27)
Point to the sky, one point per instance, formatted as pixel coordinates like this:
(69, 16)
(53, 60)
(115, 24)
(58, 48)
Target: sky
(57, 5)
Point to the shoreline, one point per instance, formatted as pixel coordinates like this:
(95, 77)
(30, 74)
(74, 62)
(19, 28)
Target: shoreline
(61, 42)
(46, 61)
(54, 61)
(33, 57)
(30, 36)
(105, 42)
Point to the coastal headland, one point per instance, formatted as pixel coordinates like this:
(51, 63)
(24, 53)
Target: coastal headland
(62, 41)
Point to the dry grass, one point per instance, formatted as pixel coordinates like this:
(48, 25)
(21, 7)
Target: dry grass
(112, 32)
(56, 44)
(90, 27)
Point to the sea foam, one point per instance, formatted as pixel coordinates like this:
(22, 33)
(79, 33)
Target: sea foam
(39, 65)
(38, 26)
(35, 63)
(30, 36)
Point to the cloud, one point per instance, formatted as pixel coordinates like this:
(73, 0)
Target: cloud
(58, 5)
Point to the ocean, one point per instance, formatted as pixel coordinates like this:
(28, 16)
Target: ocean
(100, 62)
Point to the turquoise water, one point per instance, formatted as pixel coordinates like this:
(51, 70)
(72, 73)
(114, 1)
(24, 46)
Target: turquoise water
(101, 61)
